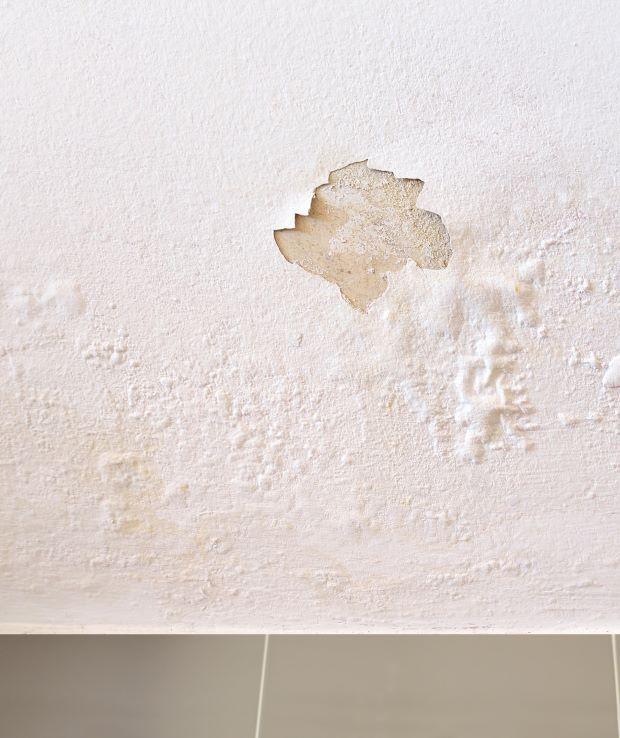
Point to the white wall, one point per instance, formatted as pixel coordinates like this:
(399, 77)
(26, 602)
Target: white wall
(197, 435)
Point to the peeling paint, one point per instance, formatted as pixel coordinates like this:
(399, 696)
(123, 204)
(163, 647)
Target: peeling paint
(362, 225)
(195, 434)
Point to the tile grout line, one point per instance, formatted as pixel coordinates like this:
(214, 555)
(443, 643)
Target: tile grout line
(261, 689)
(614, 648)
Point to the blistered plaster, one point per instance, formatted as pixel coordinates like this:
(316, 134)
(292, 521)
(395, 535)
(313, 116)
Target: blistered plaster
(197, 435)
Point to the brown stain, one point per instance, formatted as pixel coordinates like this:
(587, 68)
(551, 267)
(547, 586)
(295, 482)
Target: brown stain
(363, 224)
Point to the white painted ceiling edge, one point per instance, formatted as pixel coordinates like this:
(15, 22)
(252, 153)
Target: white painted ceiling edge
(197, 436)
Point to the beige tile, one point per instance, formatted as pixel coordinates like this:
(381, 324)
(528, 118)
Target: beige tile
(129, 686)
(439, 687)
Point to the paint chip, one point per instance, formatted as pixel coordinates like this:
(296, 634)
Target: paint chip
(363, 224)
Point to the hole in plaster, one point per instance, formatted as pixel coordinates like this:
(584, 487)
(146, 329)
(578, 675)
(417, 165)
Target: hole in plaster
(363, 224)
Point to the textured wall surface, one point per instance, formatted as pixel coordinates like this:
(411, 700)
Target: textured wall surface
(196, 434)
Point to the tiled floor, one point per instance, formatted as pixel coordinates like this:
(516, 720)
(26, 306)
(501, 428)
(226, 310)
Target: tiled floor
(316, 687)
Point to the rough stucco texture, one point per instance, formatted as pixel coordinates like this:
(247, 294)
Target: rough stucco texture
(198, 435)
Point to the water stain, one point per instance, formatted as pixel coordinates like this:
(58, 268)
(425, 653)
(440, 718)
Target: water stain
(133, 491)
(362, 225)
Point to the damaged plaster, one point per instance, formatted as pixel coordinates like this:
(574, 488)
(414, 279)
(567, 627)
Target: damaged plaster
(196, 435)
(362, 225)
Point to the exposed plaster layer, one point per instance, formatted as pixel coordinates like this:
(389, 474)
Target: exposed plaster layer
(362, 225)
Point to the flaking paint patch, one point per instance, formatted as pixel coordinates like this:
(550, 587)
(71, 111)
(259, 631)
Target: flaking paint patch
(362, 225)
(612, 374)
(477, 321)
(187, 444)
(62, 298)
